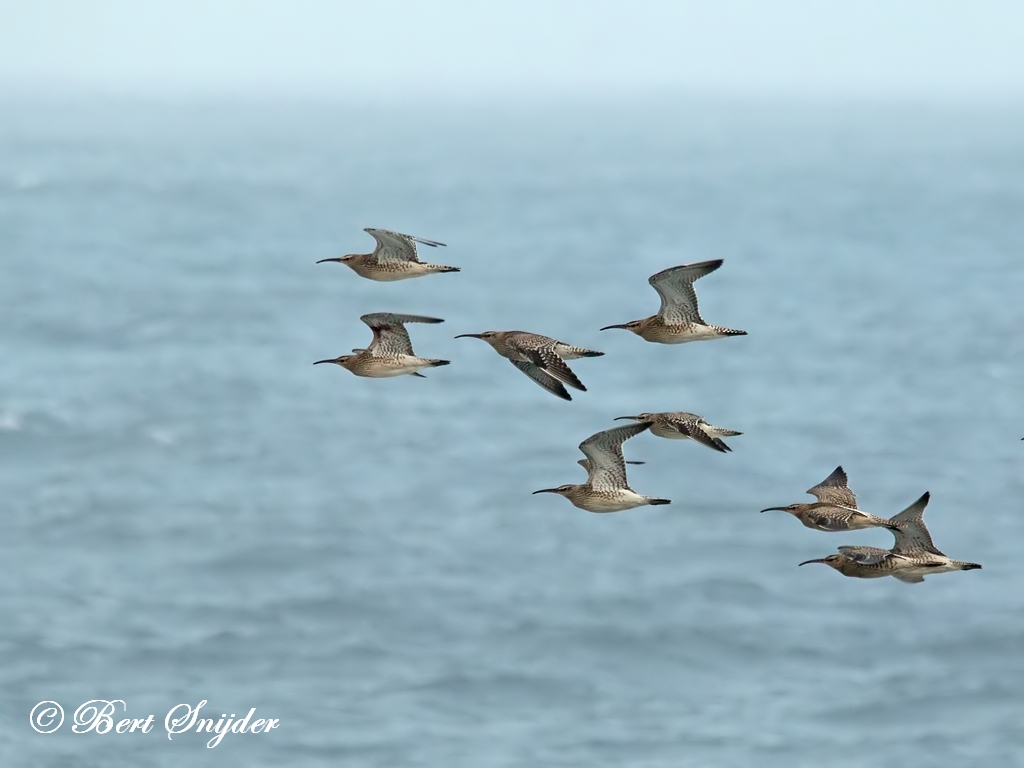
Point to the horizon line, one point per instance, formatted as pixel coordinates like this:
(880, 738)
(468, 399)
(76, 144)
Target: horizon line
(73, 94)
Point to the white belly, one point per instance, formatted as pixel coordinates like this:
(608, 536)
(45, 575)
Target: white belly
(944, 566)
(697, 332)
(623, 499)
(669, 433)
(381, 275)
(399, 367)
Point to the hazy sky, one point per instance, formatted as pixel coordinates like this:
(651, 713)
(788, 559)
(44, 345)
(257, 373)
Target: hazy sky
(935, 49)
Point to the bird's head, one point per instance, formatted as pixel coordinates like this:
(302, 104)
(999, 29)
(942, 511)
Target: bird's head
(834, 561)
(491, 337)
(341, 360)
(633, 325)
(341, 259)
(562, 490)
(638, 417)
(793, 509)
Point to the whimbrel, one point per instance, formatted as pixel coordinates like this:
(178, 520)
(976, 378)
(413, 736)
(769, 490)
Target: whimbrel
(836, 508)
(390, 353)
(873, 563)
(394, 258)
(539, 357)
(869, 563)
(912, 558)
(678, 320)
(606, 489)
(679, 425)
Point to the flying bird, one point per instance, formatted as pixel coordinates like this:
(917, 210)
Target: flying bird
(836, 508)
(678, 320)
(394, 258)
(539, 357)
(679, 425)
(606, 489)
(390, 353)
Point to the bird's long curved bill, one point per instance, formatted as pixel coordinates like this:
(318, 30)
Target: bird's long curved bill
(545, 490)
(819, 560)
(620, 418)
(324, 361)
(770, 509)
(469, 336)
(321, 261)
(611, 326)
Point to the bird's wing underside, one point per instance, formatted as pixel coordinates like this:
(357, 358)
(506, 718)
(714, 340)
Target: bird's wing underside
(394, 246)
(542, 377)
(675, 287)
(389, 334)
(604, 452)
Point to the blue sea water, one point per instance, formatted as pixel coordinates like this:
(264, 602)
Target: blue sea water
(192, 511)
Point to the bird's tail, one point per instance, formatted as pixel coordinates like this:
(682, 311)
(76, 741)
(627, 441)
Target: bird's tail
(730, 331)
(967, 566)
(436, 363)
(656, 502)
(719, 432)
(441, 268)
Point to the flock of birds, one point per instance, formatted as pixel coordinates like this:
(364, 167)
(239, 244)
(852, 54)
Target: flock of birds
(678, 320)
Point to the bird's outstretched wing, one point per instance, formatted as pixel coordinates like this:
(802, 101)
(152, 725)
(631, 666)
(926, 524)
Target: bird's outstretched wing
(829, 516)
(553, 365)
(535, 356)
(833, 490)
(692, 426)
(910, 531)
(604, 452)
(869, 555)
(389, 334)
(394, 246)
(675, 287)
(546, 380)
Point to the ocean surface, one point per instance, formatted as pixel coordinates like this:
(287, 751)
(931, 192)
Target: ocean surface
(191, 511)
